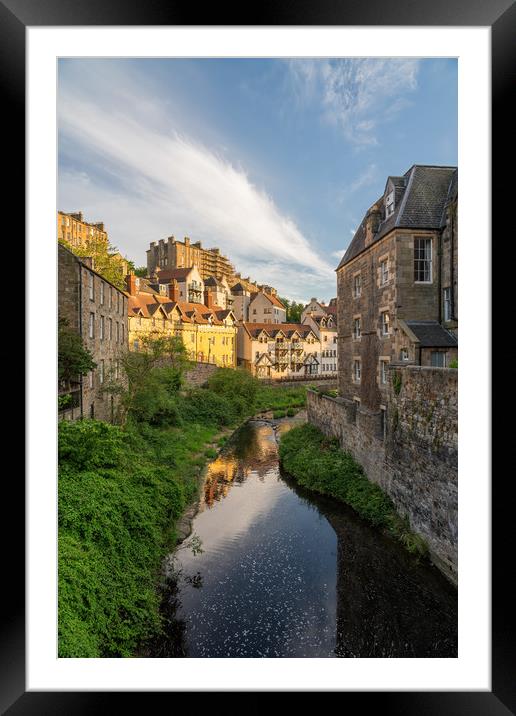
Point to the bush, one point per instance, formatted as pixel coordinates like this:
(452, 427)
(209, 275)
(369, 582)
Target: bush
(278, 414)
(235, 383)
(204, 406)
(291, 412)
(120, 492)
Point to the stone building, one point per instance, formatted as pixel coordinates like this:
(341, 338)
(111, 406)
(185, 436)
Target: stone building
(77, 232)
(208, 331)
(97, 311)
(172, 254)
(397, 284)
(278, 351)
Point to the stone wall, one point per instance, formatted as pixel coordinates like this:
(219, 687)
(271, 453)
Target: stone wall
(199, 373)
(410, 450)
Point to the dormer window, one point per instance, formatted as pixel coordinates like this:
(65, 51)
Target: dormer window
(389, 204)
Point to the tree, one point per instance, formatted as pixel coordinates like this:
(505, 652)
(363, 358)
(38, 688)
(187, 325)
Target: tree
(294, 310)
(105, 261)
(140, 271)
(73, 359)
(154, 376)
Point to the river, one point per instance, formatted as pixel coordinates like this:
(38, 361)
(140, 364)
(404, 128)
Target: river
(272, 570)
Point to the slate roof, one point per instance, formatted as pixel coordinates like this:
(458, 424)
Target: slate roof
(432, 335)
(180, 274)
(272, 329)
(420, 198)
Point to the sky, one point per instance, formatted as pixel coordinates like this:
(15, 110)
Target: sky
(274, 161)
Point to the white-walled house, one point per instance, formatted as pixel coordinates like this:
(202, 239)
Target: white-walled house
(266, 308)
(276, 351)
(325, 328)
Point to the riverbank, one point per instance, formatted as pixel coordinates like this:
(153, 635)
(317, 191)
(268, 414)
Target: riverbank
(317, 463)
(122, 491)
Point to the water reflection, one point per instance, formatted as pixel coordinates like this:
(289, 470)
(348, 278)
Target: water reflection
(287, 573)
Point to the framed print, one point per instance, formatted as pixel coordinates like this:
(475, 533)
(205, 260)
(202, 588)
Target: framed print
(232, 133)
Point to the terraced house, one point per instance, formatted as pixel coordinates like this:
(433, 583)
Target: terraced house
(97, 311)
(397, 284)
(208, 331)
(323, 319)
(275, 351)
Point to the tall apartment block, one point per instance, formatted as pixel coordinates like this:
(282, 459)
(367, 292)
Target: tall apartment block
(170, 253)
(76, 232)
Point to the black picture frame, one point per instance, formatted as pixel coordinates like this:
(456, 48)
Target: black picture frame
(500, 15)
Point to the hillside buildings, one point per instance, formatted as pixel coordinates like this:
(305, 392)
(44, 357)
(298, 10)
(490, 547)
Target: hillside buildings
(97, 311)
(75, 231)
(208, 331)
(397, 284)
(278, 351)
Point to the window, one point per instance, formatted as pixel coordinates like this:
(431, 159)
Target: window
(384, 323)
(404, 354)
(117, 369)
(102, 328)
(423, 260)
(123, 333)
(356, 371)
(90, 379)
(117, 332)
(447, 304)
(383, 372)
(92, 292)
(110, 329)
(356, 329)
(438, 359)
(136, 344)
(91, 326)
(384, 272)
(357, 286)
(389, 204)
(111, 298)
(102, 293)
(101, 372)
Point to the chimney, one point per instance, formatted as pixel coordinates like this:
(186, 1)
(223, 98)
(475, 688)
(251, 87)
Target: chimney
(187, 241)
(208, 299)
(373, 219)
(173, 290)
(133, 284)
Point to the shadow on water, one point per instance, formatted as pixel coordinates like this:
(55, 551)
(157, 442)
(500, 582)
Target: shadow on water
(389, 604)
(379, 601)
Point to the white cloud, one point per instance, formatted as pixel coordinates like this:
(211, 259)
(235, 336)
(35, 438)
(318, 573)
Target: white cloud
(167, 183)
(356, 95)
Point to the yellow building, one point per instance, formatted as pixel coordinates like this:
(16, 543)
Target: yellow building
(208, 332)
(76, 232)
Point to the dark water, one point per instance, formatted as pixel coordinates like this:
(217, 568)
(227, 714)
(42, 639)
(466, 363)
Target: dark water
(285, 573)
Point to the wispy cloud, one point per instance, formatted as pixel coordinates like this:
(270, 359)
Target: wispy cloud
(164, 182)
(357, 95)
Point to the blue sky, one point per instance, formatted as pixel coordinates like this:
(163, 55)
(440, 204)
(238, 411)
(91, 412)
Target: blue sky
(273, 161)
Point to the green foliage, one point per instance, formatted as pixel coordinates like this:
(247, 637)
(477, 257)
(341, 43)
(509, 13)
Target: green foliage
(454, 363)
(141, 271)
(294, 310)
(120, 490)
(318, 463)
(210, 453)
(396, 382)
(104, 261)
(63, 401)
(291, 412)
(73, 359)
(279, 414)
(279, 397)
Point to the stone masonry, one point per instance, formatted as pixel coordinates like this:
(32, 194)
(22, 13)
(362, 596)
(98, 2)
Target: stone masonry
(410, 451)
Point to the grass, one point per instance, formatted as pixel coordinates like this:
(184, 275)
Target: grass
(318, 463)
(278, 397)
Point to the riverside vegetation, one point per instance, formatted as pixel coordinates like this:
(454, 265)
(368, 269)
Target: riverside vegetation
(318, 463)
(122, 488)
